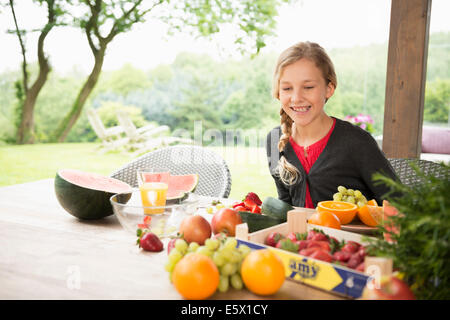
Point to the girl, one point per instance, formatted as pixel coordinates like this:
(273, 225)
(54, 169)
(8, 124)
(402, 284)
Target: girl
(311, 153)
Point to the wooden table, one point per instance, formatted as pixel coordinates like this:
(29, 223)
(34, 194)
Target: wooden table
(48, 254)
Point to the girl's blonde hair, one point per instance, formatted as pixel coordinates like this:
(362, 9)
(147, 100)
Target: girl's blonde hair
(288, 173)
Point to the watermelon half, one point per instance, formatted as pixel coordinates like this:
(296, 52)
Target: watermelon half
(179, 185)
(86, 195)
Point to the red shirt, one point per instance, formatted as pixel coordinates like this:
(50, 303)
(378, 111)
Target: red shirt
(313, 152)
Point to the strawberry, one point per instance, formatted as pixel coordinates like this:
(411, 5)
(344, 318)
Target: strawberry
(254, 198)
(321, 244)
(256, 209)
(342, 256)
(350, 246)
(238, 204)
(150, 242)
(307, 252)
(321, 255)
(288, 245)
(302, 244)
(273, 238)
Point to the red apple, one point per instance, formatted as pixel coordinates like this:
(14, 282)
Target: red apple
(390, 288)
(195, 229)
(225, 220)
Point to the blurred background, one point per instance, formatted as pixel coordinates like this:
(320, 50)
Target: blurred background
(172, 70)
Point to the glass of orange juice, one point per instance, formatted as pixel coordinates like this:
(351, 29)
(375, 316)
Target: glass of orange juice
(153, 194)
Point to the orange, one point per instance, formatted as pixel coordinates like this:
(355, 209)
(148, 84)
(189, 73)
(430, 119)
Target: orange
(262, 272)
(326, 219)
(345, 211)
(195, 276)
(371, 215)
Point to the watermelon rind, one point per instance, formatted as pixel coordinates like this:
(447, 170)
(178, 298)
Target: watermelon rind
(82, 202)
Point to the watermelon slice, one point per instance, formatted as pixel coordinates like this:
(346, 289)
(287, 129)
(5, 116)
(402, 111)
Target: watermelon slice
(179, 185)
(85, 195)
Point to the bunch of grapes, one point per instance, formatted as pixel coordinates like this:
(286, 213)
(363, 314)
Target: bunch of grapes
(350, 195)
(223, 252)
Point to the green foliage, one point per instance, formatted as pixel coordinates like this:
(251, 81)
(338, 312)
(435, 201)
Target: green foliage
(421, 250)
(437, 101)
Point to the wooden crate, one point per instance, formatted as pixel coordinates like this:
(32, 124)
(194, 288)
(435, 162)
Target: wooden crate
(331, 277)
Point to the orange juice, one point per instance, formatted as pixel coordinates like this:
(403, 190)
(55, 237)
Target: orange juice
(153, 194)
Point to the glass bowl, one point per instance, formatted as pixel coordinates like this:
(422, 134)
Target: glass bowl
(132, 215)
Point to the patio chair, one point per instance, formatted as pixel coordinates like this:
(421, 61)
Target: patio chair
(409, 177)
(111, 137)
(214, 175)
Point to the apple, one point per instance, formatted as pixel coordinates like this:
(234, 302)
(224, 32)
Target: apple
(390, 288)
(225, 220)
(195, 229)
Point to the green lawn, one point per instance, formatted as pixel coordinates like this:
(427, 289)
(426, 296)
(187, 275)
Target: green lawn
(24, 163)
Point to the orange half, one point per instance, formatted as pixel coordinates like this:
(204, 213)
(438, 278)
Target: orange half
(371, 215)
(345, 211)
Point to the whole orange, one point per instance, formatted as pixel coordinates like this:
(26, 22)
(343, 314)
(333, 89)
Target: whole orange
(195, 276)
(262, 272)
(326, 219)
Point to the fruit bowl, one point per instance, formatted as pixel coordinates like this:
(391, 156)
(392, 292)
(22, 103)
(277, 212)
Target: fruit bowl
(164, 221)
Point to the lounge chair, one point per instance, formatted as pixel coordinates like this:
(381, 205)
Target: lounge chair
(111, 137)
(147, 138)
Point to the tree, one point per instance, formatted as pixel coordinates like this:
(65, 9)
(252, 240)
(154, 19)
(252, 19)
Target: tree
(254, 19)
(25, 94)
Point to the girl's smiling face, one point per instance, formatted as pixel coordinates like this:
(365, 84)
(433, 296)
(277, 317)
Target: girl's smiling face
(303, 91)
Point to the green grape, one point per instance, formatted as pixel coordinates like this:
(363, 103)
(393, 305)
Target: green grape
(230, 243)
(344, 198)
(236, 281)
(169, 266)
(212, 244)
(204, 250)
(342, 189)
(193, 246)
(175, 256)
(224, 283)
(360, 204)
(245, 250)
(181, 245)
(227, 253)
(235, 256)
(358, 194)
(351, 199)
(337, 196)
(364, 199)
(228, 269)
(218, 259)
(350, 192)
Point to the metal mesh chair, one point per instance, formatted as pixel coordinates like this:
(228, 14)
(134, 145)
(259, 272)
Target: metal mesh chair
(214, 175)
(408, 176)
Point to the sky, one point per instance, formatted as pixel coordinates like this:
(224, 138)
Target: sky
(331, 23)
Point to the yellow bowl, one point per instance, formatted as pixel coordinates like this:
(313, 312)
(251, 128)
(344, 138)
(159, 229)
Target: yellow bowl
(345, 211)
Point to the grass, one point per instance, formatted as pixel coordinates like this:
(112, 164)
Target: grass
(25, 163)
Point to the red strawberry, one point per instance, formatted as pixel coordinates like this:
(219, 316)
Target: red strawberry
(350, 247)
(322, 255)
(319, 237)
(256, 209)
(254, 198)
(342, 256)
(321, 244)
(150, 242)
(307, 252)
(273, 238)
(238, 204)
(302, 244)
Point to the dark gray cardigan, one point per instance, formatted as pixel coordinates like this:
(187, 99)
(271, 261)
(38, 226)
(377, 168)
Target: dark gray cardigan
(349, 159)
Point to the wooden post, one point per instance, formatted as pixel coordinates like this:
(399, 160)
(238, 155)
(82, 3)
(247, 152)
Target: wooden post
(405, 79)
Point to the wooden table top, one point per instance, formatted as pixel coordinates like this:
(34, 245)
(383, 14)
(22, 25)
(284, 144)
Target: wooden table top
(48, 254)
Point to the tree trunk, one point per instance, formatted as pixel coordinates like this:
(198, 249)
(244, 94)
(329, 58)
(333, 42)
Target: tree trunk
(71, 118)
(25, 130)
